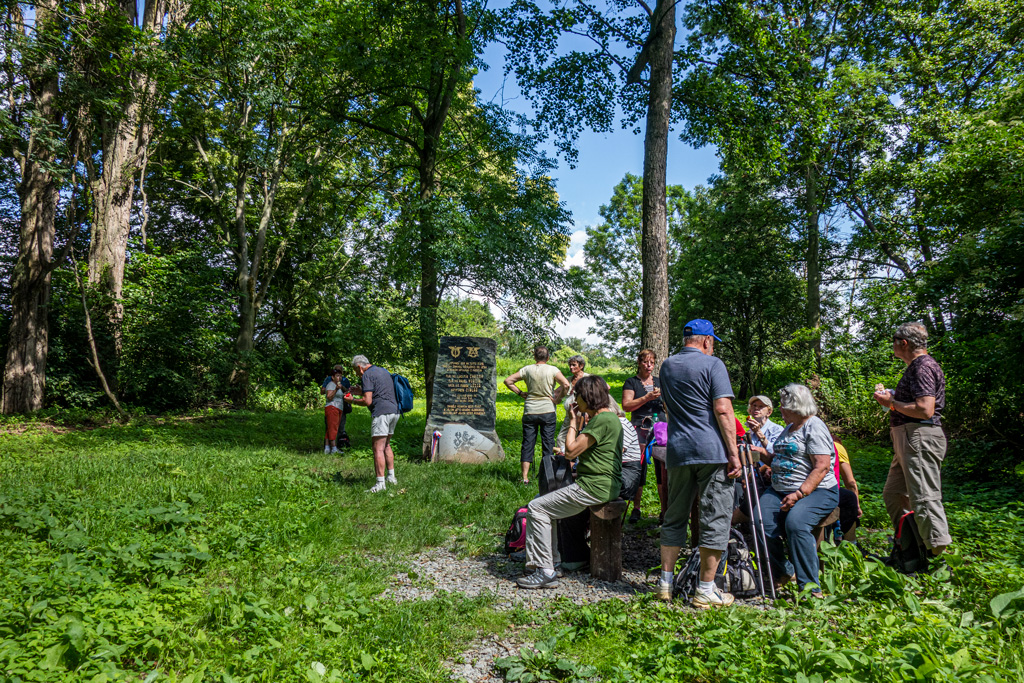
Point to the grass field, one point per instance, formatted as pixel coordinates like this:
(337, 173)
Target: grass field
(228, 547)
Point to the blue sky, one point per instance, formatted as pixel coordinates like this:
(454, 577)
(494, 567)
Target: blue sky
(603, 161)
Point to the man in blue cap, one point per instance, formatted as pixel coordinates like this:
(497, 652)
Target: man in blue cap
(702, 458)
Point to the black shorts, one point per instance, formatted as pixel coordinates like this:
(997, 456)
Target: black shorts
(847, 509)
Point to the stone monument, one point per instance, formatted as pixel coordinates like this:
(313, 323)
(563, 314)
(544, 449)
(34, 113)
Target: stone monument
(460, 427)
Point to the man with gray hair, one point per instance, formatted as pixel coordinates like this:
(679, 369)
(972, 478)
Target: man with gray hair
(919, 444)
(702, 459)
(377, 388)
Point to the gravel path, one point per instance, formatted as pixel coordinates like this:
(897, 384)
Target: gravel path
(440, 569)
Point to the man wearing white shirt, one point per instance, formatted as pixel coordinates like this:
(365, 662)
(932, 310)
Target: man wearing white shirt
(763, 432)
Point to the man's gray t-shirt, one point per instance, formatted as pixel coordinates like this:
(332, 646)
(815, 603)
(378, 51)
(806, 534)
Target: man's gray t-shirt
(690, 383)
(790, 470)
(379, 381)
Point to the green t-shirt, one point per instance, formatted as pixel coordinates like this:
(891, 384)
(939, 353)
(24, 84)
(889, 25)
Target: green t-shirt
(600, 467)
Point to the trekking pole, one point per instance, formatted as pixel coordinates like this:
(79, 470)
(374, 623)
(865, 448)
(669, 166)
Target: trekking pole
(759, 527)
(748, 481)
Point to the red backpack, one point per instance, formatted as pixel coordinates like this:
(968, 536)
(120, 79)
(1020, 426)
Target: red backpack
(515, 537)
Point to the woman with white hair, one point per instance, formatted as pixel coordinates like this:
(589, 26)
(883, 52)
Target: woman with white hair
(804, 489)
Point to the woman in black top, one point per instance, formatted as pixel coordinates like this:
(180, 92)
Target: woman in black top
(641, 397)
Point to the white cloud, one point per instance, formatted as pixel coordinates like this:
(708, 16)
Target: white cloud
(576, 326)
(577, 259)
(576, 241)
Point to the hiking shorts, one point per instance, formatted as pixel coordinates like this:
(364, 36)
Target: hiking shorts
(384, 425)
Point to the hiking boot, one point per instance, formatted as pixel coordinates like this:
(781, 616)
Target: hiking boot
(377, 488)
(664, 591)
(518, 556)
(559, 572)
(715, 598)
(537, 580)
(634, 517)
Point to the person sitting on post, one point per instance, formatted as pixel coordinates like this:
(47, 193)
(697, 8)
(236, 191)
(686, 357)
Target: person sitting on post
(804, 489)
(598, 450)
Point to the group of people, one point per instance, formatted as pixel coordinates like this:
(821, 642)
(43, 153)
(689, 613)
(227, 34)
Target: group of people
(801, 464)
(375, 391)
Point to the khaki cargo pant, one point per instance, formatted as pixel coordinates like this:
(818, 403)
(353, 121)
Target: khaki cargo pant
(915, 480)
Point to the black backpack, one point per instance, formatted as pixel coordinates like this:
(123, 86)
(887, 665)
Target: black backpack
(685, 582)
(909, 554)
(735, 572)
(515, 537)
(737, 576)
(555, 473)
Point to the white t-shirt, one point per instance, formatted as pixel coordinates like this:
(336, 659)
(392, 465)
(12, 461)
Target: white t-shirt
(630, 442)
(339, 396)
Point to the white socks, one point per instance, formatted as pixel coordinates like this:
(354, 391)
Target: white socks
(379, 486)
(706, 587)
(666, 577)
(391, 477)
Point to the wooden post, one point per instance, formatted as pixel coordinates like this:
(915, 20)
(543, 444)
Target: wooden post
(606, 540)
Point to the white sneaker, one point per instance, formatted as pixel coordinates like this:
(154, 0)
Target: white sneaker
(327, 449)
(334, 450)
(716, 598)
(392, 480)
(377, 488)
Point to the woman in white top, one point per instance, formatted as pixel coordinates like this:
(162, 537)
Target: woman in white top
(334, 411)
(545, 386)
(632, 458)
(576, 365)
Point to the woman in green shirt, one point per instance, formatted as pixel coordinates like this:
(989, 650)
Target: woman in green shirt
(598, 449)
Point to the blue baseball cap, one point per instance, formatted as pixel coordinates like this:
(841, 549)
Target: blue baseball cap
(699, 326)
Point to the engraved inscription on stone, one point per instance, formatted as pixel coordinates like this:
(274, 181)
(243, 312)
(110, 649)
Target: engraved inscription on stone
(463, 411)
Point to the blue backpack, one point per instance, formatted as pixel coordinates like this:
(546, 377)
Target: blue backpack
(403, 392)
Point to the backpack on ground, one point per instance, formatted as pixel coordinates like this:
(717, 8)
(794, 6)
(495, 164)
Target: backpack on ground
(685, 582)
(909, 554)
(735, 571)
(403, 392)
(515, 537)
(738, 574)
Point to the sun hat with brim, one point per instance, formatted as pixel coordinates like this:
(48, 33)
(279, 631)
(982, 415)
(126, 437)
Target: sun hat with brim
(763, 399)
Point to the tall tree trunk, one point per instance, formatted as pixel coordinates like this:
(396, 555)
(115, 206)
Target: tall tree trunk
(112, 192)
(813, 215)
(28, 341)
(654, 241)
(246, 273)
(429, 290)
(444, 80)
(125, 138)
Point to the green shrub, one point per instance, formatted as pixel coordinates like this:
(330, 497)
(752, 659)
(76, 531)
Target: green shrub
(979, 461)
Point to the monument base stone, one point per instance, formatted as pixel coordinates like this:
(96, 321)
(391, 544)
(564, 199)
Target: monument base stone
(461, 443)
(461, 424)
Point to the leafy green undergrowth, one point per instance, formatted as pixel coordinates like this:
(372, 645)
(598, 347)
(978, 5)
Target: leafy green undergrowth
(962, 622)
(228, 547)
